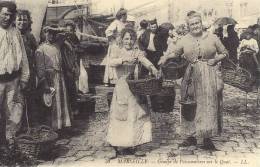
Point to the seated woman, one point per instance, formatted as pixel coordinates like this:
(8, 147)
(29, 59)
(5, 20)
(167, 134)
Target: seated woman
(129, 120)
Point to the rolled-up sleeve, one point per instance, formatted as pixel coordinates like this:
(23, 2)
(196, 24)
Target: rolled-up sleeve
(143, 60)
(40, 67)
(111, 28)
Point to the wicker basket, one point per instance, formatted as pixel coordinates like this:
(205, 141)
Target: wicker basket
(27, 146)
(31, 144)
(147, 86)
(163, 102)
(174, 69)
(238, 77)
(96, 74)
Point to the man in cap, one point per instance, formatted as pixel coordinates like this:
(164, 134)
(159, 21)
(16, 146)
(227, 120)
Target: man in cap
(150, 43)
(14, 71)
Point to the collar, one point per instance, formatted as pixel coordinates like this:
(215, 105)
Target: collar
(204, 35)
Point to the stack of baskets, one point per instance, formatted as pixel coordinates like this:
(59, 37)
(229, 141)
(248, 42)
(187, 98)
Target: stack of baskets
(36, 140)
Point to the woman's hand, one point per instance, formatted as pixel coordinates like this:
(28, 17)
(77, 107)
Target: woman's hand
(212, 62)
(154, 71)
(162, 60)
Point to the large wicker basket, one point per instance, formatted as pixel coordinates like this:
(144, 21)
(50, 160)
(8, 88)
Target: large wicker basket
(238, 77)
(147, 86)
(163, 102)
(174, 69)
(31, 144)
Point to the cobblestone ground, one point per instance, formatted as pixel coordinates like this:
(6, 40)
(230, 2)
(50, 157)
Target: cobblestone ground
(239, 141)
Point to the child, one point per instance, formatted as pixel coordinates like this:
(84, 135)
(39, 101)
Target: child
(248, 44)
(247, 50)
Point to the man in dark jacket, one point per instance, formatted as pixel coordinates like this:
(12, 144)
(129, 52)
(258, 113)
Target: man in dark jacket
(151, 43)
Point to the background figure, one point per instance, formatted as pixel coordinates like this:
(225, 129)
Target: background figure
(71, 37)
(153, 44)
(51, 76)
(231, 43)
(113, 33)
(69, 44)
(219, 32)
(248, 50)
(14, 74)
(23, 23)
(143, 28)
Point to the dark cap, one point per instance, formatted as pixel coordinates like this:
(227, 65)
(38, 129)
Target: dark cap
(154, 21)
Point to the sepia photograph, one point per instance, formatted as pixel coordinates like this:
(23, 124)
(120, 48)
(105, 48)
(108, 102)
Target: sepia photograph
(130, 83)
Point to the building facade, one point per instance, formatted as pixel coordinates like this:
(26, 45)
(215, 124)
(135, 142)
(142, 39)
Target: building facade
(246, 12)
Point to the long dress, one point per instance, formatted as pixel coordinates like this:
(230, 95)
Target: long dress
(204, 120)
(129, 119)
(50, 74)
(30, 45)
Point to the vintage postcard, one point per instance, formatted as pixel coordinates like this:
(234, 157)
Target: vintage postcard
(130, 83)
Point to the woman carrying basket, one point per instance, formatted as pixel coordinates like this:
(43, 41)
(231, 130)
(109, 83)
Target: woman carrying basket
(201, 116)
(129, 120)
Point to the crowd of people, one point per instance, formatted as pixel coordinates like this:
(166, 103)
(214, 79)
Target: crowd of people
(153, 45)
(44, 77)
(40, 79)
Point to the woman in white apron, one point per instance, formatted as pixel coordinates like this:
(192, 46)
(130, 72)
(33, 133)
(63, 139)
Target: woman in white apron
(129, 119)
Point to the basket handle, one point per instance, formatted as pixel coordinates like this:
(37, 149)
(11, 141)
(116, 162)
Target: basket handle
(231, 62)
(161, 73)
(239, 68)
(25, 137)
